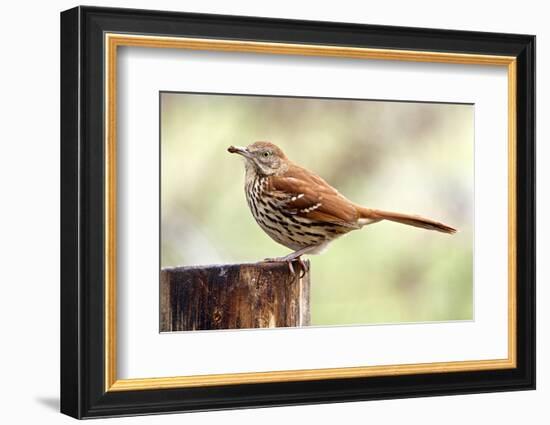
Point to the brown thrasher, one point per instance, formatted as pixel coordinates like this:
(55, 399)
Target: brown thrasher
(301, 211)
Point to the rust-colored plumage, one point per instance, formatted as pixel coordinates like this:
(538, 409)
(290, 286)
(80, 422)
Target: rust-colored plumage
(299, 209)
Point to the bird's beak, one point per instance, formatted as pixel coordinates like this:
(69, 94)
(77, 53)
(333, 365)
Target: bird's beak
(240, 150)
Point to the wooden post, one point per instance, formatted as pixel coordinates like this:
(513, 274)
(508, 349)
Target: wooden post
(233, 296)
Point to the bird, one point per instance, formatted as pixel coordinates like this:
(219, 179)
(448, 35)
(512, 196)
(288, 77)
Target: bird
(300, 210)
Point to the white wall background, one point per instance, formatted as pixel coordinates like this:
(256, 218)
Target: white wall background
(29, 224)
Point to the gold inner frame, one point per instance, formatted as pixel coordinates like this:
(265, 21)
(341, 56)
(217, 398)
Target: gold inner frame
(113, 41)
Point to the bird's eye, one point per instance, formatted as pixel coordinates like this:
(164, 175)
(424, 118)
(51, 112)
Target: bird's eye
(267, 153)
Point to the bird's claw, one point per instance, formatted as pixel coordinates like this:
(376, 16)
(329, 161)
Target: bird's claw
(303, 267)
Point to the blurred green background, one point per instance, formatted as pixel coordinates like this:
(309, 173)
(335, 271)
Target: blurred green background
(401, 156)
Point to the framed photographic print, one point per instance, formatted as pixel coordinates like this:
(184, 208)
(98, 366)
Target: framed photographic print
(261, 212)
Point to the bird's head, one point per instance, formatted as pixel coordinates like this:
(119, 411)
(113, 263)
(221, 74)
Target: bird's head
(266, 158)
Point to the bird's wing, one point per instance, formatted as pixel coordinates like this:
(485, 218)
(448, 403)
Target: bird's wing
(308, 195)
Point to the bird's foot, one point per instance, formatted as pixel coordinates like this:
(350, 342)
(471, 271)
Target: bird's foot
(289, 259)
(282, 260)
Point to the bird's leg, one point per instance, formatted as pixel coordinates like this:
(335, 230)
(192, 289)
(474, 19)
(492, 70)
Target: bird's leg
(296, 255)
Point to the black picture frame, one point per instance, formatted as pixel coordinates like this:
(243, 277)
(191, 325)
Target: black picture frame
(83, 392)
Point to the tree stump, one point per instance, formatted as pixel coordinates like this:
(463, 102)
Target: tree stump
(234, 296)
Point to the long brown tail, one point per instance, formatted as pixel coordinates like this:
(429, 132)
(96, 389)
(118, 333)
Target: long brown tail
(411, 220)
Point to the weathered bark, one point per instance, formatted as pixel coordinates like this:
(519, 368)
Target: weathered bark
(234, 296)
